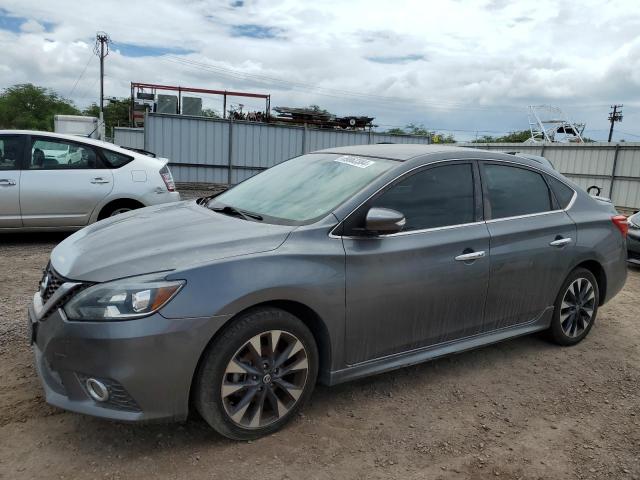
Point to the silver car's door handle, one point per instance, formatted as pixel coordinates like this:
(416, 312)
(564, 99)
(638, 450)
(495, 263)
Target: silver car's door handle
(99, 180)
(7, 182)
(466, 257)
(560, 242)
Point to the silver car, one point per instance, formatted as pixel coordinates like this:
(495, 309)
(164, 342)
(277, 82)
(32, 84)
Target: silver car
(331, 266)
(51, 181)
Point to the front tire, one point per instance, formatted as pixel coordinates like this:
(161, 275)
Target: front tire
(576, 308)
(257, 374)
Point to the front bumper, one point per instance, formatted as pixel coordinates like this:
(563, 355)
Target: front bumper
(633, 247)
(148, 363)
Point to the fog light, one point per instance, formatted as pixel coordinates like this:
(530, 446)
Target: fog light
(97, 390)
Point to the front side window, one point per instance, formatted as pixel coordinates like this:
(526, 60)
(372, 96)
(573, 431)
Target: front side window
(304, 188)
(10, 152)
(515, 191)
(54, 154)
(435, 197)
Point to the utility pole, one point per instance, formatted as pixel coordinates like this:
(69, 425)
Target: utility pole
(101, 49)
(614, 116)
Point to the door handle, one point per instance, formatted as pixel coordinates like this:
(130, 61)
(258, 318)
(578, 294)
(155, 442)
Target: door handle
(99, 180)
(467, 257)
(560, 242)
(7, 182)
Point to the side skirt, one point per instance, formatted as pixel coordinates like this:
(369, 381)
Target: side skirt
(405, 359)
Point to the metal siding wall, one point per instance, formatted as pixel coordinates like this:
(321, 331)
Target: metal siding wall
(128, 137)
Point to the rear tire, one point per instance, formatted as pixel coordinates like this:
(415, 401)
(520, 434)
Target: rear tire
(117, 207)
(257, 374)
(576, 308)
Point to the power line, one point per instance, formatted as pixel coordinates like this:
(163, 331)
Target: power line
(81, 75)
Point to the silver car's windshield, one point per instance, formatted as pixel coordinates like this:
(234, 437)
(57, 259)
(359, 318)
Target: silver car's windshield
(304, 188)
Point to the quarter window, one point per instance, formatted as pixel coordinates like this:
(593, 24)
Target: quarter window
(435, 197)
(116, 160)
(563, 193)
(515, 191)
(10, 153)
(54, 154)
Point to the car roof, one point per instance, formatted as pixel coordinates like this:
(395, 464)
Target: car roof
(66, 136)
(393, 151)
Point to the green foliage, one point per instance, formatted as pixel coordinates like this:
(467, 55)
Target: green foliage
(28, 107)
(116, 114)
(395, 131)
(420, 130)
(513, 137)
(210, 113)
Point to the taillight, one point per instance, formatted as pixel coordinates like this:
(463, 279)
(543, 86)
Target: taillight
(165, 173)
(620, 221)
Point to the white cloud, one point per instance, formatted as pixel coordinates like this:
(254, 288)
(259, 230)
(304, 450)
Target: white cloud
(464, 65)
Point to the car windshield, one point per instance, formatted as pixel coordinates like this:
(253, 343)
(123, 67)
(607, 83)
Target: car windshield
(304, 188)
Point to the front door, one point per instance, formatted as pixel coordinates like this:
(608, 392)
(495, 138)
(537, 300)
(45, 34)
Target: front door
(62, 184)
(532, 238)
(11, 155)
(426, 284)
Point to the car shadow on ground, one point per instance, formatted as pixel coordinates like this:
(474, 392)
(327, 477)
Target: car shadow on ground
(31, 238)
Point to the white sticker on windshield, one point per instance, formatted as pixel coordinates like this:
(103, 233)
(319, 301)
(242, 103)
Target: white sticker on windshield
(355, 161)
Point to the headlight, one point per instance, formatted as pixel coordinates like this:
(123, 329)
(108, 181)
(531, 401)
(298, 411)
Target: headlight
(123, 299)
(633, 223)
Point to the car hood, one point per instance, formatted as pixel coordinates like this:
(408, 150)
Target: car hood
(162, 237)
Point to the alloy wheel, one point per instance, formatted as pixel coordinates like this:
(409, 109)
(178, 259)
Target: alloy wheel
(578, 305)
(264, 379)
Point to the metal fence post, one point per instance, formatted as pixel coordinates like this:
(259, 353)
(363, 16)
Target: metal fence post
(613, 170)
(230, 172)
(542, 150)
(304, 139)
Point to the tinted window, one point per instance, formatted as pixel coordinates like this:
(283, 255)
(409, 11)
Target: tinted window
(563, 193)
(54, 154)
(515, 191)
(116, 160)
(10, 153)
(435, 197)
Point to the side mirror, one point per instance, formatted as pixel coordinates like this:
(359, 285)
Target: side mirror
(384, 220)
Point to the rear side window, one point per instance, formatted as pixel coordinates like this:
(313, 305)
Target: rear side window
(515, 191)
(11, 151)
(563, 193)
(435, 197)
(115, 160)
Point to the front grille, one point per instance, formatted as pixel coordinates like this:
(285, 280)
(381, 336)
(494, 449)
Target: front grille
(50, 282)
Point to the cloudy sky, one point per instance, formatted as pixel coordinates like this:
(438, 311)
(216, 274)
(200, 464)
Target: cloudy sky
(459, 66)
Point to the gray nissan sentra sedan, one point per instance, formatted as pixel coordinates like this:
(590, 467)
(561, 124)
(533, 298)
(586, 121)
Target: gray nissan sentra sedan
(328, 267)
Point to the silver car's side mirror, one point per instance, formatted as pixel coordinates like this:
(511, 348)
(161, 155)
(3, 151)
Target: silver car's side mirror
(384, 220)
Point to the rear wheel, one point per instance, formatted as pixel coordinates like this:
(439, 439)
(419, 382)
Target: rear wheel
(576, 308)
(257, 374)
(117, 207)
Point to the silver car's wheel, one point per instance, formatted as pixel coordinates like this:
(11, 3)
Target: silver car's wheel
(578, 305)
(118, 211)
(264, 379)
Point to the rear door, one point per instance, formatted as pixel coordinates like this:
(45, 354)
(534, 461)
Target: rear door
(62, 183)
(421, 286)
(11, 156)
(532, 240)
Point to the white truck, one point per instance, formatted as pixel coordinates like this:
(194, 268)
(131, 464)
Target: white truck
(77, 125)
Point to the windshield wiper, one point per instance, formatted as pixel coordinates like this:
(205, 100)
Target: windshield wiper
(229, 210)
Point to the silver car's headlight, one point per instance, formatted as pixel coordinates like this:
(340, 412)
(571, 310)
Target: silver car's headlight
(123, 299)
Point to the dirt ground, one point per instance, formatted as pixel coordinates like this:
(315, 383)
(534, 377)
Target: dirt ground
(521, 409)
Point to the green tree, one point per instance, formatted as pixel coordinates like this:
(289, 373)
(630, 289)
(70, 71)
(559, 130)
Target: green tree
(29, 107)
(512, 137)
(210, 113)
(116, 113)
(395, 131)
